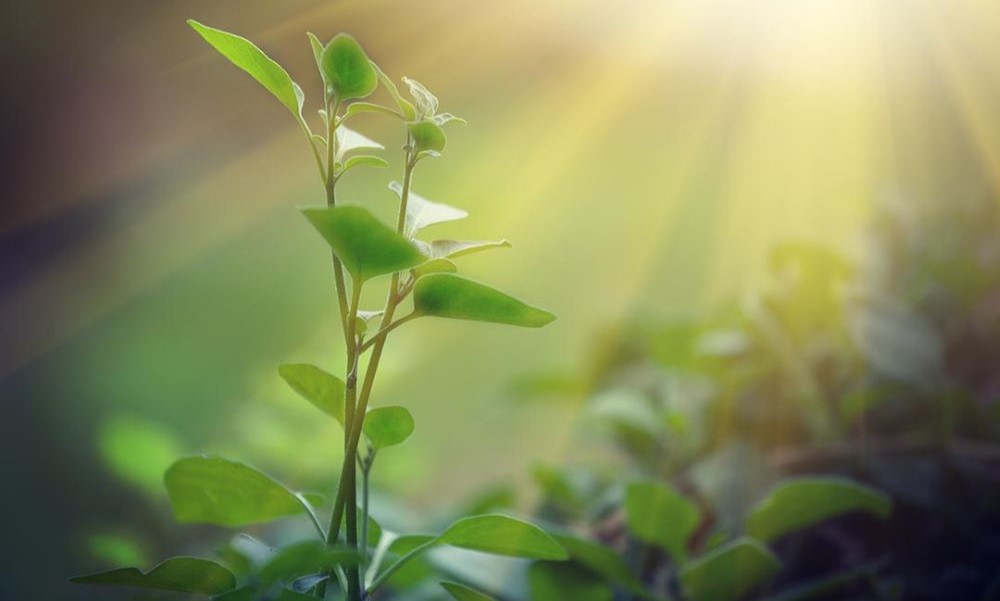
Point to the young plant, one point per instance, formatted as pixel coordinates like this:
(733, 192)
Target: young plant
(422, 282)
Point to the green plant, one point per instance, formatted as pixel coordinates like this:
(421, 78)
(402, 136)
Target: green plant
(213, 490)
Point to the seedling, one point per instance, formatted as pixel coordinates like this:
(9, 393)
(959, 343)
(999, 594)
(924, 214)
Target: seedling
(422, 282)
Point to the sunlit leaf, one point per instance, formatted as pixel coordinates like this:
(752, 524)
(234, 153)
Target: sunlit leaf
(359, 108)
(388, 426)
(349, 140)
(446, 118)
(179, 574)
(502, 535)
(212, 490)
(434, 266)
(421, 212)
(428, 136)
(661, 516)
(460, 592)
(366, 160)
(564, 581)
(245, 55)
(325, 391)
(803, 502)
(729, 572)
(346, 68)
(455, 297)
(423, 99)
(138, 450)
(307, 557)
(317, 50)
(365, 246)
(450, 249)
(405, 106)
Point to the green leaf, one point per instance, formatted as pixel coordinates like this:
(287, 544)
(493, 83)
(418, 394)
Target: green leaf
(303, 558)
(446, 118)
(659, 515)
(347, 69)
(729, 572)
(365, 159)
(179, 574)
(349, 140)
(138, 450)
(564, 581)
(428, 136)
(388, 426)
(803, 502)
(421, 212)
(365, 246)
(245, 55)
(455, 297)
(502, 535)
(323, 390)
(317, 50)
(365, 318)
(460, 592)
(434, 266)
(425, 101)
(251, 593)
(599, 559)
(405, 107)
(212, 490)
(359, 108)
(450, 249)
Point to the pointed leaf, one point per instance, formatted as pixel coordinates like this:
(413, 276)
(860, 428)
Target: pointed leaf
(388, 426)
(349, 140)
(460, 592)
(365, 318)
(729, 572)
(803, 502)
(212, 490)
(245, 55)
(179, 574)
(565, 581)
(347, 69)
(455, 297)
(502, 535)
(659, 515)
(434, 266)
(365, 246)
(426, 103)
(405, 107)
(323, 390)
(421, 212)
(446, 118)
(317, 50)
(428, 136)
(364, 159)
(450, 249)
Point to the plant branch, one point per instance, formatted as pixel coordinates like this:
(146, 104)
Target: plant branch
(384, 576)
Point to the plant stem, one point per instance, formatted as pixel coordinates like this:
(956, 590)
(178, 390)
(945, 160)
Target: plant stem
(380, 580)
(366, 468)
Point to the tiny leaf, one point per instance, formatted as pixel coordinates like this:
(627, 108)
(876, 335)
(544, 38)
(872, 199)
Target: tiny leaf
(451, 249)
(425, 101)
(179, 574)
(421, 212)
(404, 105)
(346, 68)
(455, 297)
(460, 592)
(212, 490)
(729, 572)
(323, 390)
(388, 426)
(365, 246)
(428, 136)
(659, 515)
(502, 535)
(803, 502)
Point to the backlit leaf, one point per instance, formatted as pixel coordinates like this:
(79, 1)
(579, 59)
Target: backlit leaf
(323, 390)
(212, 490)
(455, 297)
(803, 502)
(421, 212)
(434, 266)
(349, 140)
(365, 246)
(359, 108)
(366, 160)
(179, 574)
(388, 426)
(450, 249)
(425, 102)
(428, 136)
(405, 106)
(729, 572)
(502, 535)
(347, 69)
(460, 592)
(661, 516)
(138, 450)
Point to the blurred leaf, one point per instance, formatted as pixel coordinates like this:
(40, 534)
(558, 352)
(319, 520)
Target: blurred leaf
(729, 572)
(306, 557)
(323, 390)
(804, 502)
(366, 247)
(251, 593)
(557, 488)
(242, 554)
(374, 531)
(405, 544)
(180, 574)
(501, 496)
(659, 515)
(602, 561)
(565, 581)
(434, 266)
(502, 535)
(116, 550)
(455, 297)
(732, 479)
(446, 118)
(425, 102)
(388, 426)
(463, 593)
(421, 212)
(212, 490)
(364, 159)
(349, 140)
(450, 249)
(138, 451)
(548, 384)
(245, 55)
(428, 136)
(366, 317)
(347, 69)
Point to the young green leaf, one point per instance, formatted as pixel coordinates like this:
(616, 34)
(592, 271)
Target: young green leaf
(460, 592)
(428, 136)
(178, 574)
(602, 561)
(212, 490)
(349, 140)
(502, 535)
(365, 318)
(317, 50)
(446, 118)
(425, 101)
(366, 160)
(803, 502)
(421, 212)
(455, 297)
(434, 266)
(659, 515)
(359, 108)
(245, 55)
(451, 249)
(306, 557)
(365, 246)
(729, 572)
(323, 390)
(405, 107)
(347, 69)
(565, 581)
(388, 426)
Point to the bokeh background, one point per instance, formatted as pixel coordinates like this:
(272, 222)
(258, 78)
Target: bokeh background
(643, 156)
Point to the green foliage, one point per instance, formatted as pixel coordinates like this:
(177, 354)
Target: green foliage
(388, 426)
(502, 535)
(179, 574)
(302, 559)
(138, 450)
(802, 502)
(212, 490)
(558, 581)
(428, 137)
(602, 561)
(659, 515)
(460, 592)
(456, 297)
(323, 390)
(346, 68)
(729, 572)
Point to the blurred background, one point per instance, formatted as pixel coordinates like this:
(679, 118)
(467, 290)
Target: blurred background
(646, 158)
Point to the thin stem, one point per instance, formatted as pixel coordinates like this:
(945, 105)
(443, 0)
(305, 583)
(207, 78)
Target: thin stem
(366, 468)
(385, 331)
(381, 579)
(312, 515)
